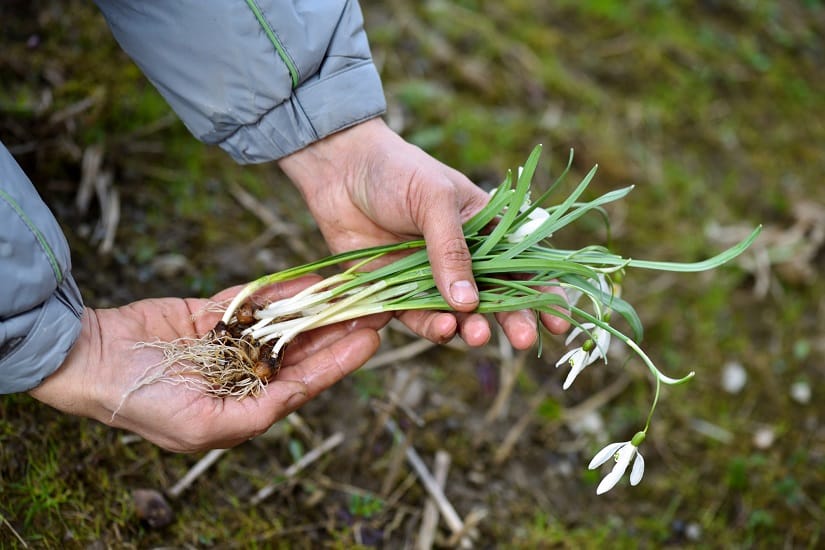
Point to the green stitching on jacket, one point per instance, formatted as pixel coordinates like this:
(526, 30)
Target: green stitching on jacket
(58, 274)
(293, 71)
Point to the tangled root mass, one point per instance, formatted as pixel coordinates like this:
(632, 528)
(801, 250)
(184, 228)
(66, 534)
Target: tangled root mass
(224, 362)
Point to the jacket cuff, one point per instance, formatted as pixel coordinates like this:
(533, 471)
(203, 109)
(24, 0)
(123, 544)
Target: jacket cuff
(38, 340)
(313, 112)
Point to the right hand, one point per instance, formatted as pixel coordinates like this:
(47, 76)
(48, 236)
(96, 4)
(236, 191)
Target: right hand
(105, 364)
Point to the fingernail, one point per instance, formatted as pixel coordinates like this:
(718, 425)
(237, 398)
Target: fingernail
(463, 292)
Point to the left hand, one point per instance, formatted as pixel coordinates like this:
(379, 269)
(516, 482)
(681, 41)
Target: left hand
(366, 186)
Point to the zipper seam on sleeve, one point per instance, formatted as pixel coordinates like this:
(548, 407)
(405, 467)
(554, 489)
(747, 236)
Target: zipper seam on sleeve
(58, 273)
(270, 33)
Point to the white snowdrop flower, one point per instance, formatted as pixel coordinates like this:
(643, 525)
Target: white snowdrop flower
(600, 338)
(597, 344)
(602, 341)
(573, 295)
(534, 220)
(622, 452)
(577, 359)
(587, 354)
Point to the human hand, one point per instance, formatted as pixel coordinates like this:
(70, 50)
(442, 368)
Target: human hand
(105, 364)
(366, 186)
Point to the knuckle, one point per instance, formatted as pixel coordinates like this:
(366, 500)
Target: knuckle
(454, 252)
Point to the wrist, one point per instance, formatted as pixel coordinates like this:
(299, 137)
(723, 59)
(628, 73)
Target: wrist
(336, 158)
(70, 388)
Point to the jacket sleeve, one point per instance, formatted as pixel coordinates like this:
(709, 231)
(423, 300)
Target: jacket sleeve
(40, 305)
(259, 78)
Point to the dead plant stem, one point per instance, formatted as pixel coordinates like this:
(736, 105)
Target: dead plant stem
(327, 445)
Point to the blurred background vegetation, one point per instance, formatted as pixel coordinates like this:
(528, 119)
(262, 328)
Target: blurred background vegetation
(714, 110)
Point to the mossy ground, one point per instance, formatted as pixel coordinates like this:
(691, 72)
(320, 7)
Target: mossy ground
(714, 110)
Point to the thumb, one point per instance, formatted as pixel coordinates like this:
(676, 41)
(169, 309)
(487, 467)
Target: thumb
(450, 257)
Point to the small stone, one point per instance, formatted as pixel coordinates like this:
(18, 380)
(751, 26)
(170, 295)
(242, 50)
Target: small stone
(409, 388)
(693, 531)
(734, 377)
(151, 508)
(590, 423)
(476, 477)
(170, 265)
(764, 438)
(565, 469)
(801, 392)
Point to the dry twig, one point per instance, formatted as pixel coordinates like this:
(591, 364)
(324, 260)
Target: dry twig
(511, 367)
(393, 356)
(327, 445)
(195, 472)
(68, 113)
(297, 422)
(98, 181)
(13, 530)
(274, 225)
(448, 512)
(461, 538)
(429, 519)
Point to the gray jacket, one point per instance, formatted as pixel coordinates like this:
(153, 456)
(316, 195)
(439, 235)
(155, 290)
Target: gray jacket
(259, 78)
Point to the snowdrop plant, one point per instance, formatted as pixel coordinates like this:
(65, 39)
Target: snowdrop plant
(514, 261)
